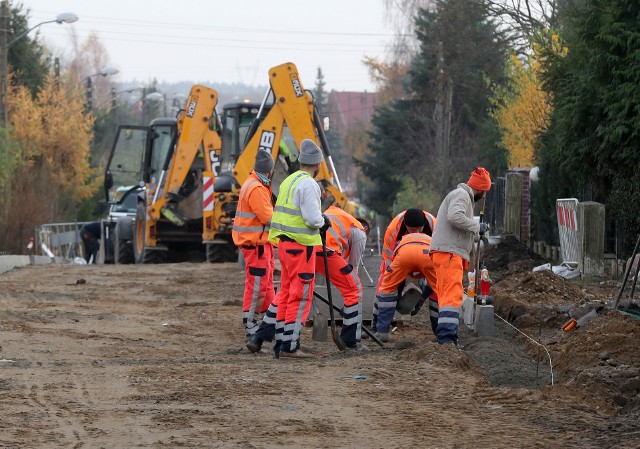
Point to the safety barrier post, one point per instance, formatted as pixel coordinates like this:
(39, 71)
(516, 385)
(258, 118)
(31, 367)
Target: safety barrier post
(566, 209)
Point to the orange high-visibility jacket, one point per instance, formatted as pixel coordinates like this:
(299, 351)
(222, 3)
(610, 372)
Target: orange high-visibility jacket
(253, 214)
(338, 235)
(391, 234)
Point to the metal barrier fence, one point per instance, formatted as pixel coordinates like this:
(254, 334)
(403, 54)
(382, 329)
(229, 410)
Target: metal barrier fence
(567, 209)
(61, 239)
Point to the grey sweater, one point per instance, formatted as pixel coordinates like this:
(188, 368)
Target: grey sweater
(456, 230)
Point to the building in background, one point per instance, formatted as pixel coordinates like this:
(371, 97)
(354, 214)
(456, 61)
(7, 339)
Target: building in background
(350, 116)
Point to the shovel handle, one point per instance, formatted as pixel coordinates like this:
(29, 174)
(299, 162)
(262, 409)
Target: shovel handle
(366, 331)
(334, 333)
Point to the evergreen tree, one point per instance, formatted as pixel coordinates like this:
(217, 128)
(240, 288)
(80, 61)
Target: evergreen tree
(320, 94)
(26, 57)
(442, 125)
(595, 133)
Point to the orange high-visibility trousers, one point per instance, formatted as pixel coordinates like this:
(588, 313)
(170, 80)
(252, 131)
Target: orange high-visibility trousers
(449, 273)
(409, 259)
(258, 285)
(296, 284)
(346, 279)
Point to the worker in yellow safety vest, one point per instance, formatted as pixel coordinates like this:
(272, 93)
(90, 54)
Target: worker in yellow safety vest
(295, 227)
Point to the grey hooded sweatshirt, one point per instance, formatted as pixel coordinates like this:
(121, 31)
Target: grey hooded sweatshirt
(456, 230)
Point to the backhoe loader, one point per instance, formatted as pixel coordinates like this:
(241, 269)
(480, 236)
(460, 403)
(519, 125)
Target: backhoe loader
(187, 174)
(173, 169)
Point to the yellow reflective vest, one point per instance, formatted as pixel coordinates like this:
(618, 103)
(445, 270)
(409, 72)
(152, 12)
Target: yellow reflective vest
(287, 218)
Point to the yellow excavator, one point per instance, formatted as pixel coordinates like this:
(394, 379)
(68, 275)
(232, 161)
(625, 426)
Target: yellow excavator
(186, 174)
(286, 116)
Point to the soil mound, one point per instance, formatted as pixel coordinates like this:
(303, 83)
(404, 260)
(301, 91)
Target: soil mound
(509, 256)
(528, 298)
(603, 358)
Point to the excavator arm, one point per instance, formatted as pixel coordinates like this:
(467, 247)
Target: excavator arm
(295, 107)
(197, 131)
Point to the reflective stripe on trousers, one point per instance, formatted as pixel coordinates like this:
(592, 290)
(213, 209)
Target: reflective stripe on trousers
(296, 285)
(258, 287)
(346, 279)
(449, 271)
(384, 307)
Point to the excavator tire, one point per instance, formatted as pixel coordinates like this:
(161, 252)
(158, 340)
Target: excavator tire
(141, 253)
(221, 252)
(122, 247)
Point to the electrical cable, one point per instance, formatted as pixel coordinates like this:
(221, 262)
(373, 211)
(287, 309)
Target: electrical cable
(539, 344)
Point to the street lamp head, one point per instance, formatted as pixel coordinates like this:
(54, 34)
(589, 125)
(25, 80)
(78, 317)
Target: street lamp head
(154, 96)
(106, 71)
(66, 17)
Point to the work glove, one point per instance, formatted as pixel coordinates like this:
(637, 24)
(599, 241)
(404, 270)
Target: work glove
(326, 225)
(484, 228)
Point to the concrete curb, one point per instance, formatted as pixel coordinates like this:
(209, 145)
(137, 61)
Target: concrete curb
(8, 263)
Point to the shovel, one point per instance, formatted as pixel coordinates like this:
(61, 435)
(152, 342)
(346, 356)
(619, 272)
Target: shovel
(320, 329)
(334, 333)
(364, 329)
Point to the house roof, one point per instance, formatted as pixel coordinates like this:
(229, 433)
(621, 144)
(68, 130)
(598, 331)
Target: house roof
(350, 108)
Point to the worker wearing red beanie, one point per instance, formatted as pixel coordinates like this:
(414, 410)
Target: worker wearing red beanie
(451, 245)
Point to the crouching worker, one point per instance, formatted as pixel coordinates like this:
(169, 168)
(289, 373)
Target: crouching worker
(345, 241)
(90, 235)
(296, 225)
(410, 258)
(250, 233)
(397, 229)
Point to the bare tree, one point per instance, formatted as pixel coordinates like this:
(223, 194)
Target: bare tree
(525, 21)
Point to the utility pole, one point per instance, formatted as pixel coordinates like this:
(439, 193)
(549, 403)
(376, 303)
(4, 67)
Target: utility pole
(4, 70)
(88, 105)
(442, 118)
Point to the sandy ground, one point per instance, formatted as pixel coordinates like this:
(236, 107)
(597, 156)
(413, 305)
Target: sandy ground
(153, 356)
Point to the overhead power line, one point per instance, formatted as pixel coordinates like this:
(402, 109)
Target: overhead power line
(191, 27)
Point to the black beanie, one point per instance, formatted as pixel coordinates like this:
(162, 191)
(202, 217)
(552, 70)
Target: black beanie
(414, 218)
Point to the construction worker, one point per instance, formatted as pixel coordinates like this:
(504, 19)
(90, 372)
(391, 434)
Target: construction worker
(346, 240)
(409, 258)
(284, 154)
(295, 227)
(451, 247)
(90, 235)
(396, 229)
(250, 234)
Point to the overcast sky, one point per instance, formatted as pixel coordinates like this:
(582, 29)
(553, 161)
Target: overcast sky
(225, 41)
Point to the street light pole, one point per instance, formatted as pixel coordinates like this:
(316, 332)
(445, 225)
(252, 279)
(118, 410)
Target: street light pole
(66, 17)
(106, 71)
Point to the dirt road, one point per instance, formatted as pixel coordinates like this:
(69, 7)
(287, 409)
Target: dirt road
(153, 356)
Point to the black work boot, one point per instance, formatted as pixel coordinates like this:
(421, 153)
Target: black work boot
(255, 344)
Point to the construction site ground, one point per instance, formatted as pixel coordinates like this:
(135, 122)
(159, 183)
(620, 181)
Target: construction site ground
(124, 356)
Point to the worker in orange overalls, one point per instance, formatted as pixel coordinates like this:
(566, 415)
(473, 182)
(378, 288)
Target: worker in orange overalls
(395, 231)
(295, 226)
(346, 240)
(398, 228)
(410, 258)
(451, 248)
(251, 233)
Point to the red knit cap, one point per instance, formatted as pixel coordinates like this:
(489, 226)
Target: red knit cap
(480, 180)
